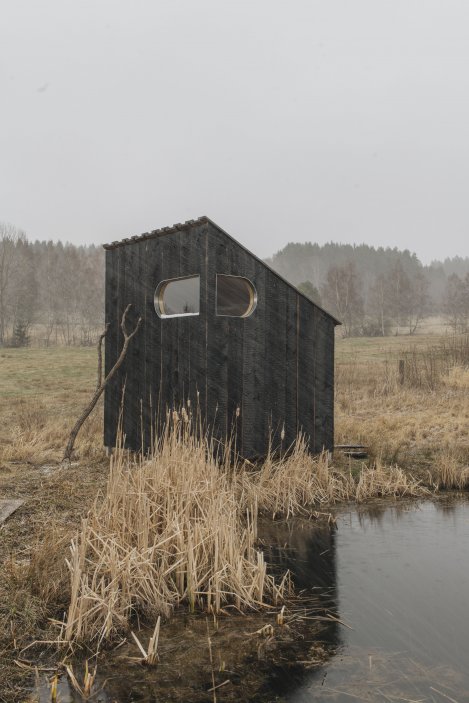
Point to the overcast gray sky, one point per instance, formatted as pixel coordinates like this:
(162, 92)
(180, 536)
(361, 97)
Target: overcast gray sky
(298, 120)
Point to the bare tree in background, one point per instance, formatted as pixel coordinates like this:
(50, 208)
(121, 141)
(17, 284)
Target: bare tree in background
(408, 297)
(399, 292)
(71, 292)
(342, 295)
(418, 304)
(24, 290)
(49, 274)
(9, 238)
(456, 302)
(378, 305)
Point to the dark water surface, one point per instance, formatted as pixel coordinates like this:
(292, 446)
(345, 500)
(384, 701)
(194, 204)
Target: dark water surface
(397, 577)
(403, 585)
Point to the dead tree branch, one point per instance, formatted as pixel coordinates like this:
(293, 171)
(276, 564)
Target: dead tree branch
(102, 384)
(100, 356)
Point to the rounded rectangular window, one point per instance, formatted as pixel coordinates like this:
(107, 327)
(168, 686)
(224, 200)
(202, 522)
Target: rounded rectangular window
(236, 296)
(178, 297)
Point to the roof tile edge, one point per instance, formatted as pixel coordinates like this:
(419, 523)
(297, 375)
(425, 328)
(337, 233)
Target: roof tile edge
(158, 232)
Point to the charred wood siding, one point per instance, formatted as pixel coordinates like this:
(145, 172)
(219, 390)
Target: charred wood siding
(168, 364)
(259, 375)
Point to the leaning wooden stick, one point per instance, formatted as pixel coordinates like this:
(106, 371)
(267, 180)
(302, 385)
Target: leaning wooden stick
(100, 356)
(101, 384)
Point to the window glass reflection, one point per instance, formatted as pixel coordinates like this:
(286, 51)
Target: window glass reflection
(178, 296)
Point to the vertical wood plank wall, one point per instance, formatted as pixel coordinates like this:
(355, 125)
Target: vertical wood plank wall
(257, 375)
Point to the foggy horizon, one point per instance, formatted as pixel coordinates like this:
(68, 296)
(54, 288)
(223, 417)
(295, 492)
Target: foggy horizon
(283, 123)
(422, 260)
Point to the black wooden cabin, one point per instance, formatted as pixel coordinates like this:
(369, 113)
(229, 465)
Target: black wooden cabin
(221, 329)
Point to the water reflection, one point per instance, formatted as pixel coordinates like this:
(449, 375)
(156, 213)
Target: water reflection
(381, 513)
(403, 584)
(307, 549)
(399, 576)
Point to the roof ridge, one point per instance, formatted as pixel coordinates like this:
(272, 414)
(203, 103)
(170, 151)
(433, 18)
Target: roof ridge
(203, 219)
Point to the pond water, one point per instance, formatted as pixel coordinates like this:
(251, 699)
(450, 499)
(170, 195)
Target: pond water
(402, 584)
(396, 576)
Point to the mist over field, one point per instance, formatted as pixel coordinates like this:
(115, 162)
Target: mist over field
(53, 293)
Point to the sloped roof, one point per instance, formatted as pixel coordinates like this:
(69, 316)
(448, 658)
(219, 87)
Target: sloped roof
(200, 221)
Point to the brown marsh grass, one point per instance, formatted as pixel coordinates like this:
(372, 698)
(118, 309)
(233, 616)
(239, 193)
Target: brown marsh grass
(420, 424)
(450, 471)
(169, 529)
(180, 528)
(41, 393)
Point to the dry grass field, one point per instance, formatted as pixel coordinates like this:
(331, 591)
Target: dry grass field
(416, 431)
(41, 393)
(421, 424)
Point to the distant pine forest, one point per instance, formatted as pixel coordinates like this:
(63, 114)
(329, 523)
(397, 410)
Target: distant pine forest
(53, 293)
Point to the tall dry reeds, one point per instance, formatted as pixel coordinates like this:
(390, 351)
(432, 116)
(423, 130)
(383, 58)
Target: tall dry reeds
(382, 481)
(293, 484)
(300, 483)
(169, 529)
(450, 471)
(181, 527)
